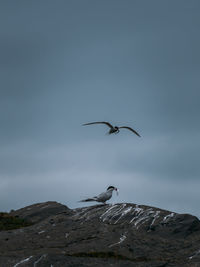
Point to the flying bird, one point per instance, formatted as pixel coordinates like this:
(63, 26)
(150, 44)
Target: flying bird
(103, 197)
(113, 129)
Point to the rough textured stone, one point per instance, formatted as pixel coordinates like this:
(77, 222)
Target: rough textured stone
(101, 235)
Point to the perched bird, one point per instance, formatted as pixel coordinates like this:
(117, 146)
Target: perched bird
(113, 129)
(103, 197)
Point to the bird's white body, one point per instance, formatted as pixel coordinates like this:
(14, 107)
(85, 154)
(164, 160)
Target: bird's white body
(103, 197)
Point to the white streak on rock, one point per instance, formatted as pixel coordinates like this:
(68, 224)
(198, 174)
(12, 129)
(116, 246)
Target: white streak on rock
(44, 207)
(136, 213)
(194, 255)
(25, 260)
(168, 217)
(118, 212)
(86, 213)
(36, 262)
(122, 238)
(41, 232)
(66, 235)
(140, 219)
(140, 216)
(108, 212)
(124, 212)
(156, 216)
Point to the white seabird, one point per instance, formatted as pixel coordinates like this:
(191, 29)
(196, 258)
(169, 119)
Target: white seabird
(113, 129)
(103, 197)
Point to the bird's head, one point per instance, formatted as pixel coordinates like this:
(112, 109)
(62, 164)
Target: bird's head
(111, 188)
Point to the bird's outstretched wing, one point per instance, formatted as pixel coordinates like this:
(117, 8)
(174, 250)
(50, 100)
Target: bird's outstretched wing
(132, 130)
(99, 122)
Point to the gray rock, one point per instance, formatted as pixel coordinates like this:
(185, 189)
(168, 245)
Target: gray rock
(101, 235)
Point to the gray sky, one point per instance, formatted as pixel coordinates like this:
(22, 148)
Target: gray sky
(133, 62)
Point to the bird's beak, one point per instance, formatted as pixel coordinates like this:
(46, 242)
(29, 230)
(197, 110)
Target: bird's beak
(117, 190)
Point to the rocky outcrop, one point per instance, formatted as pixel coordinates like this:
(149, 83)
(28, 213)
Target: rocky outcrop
(101, 235)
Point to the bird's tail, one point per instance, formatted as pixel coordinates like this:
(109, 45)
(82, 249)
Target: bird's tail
(87, 199)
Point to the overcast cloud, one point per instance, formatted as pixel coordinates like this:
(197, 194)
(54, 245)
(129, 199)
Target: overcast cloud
(133, 62)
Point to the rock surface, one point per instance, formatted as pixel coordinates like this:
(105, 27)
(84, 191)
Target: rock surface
(101, 235)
